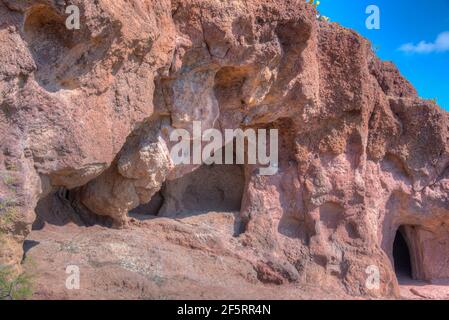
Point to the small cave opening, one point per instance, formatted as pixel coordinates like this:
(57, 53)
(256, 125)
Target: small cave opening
(401, 257)
(150, 209)
(49, 41)
(61, 207)
(201, 192)
(45, 30)
(229, 82)
(209, 188)
(55, 209)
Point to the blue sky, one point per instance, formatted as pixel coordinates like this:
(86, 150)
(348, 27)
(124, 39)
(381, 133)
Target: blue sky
(414, 26)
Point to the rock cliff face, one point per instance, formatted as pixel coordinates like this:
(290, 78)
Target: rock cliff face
(84, 124)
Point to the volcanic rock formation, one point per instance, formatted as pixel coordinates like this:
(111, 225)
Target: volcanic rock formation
(84, 124)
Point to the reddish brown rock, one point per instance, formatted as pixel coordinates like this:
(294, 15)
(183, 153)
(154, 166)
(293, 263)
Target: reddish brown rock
(84, 126)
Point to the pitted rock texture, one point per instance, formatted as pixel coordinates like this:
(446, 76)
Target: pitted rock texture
(85, 122)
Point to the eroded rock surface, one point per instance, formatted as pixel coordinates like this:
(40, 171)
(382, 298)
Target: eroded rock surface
(85, 122)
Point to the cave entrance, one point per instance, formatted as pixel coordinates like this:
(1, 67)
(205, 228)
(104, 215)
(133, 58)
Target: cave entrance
(209, 188)
(402, 256)
(150, 209)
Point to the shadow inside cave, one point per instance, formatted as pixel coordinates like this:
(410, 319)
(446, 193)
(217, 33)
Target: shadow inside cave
(59, 208)
(210, 188)
(402, 259)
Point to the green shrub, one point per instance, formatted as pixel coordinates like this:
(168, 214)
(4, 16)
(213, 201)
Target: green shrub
(8, 211)
(14, 288)
(9, 180)
(314, 3)
(324, 18)
(319, 16)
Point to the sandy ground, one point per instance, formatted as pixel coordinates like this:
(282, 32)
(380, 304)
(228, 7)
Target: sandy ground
(418, 290)
(159, 258)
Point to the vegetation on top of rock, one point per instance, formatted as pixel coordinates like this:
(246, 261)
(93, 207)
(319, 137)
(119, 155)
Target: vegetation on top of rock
(314, 3)
(320, 17)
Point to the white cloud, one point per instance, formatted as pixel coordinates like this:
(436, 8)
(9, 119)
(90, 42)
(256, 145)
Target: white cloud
(441, 44)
